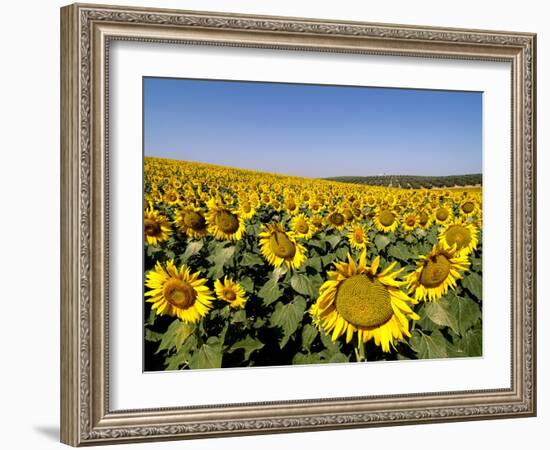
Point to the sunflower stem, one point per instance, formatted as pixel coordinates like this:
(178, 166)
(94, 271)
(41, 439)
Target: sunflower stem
(360, 353)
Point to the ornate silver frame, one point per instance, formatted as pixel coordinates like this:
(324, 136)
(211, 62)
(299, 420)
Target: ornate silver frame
(86, 31)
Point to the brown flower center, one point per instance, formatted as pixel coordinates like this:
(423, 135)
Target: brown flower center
(423, 220)
(194, 220)
(151, 227)
(171, 197)
(386, 218)
(348, 215)
(291, 205)
(364, 301)
(229, 294)
(227, 221)
(179, 293)
(281, 245)
(467, 207)
(459, 236)
(442, 214)
(336, 219)
(435, 271)
(358, 236)
(302, 227)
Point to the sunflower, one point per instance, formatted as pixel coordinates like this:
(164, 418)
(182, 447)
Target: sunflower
(385, 220)
(424, 219)
(442, 215)
(191, 221)
(302, 226)
(461, 234)
(358, 237)
(436, 273)
(246, 210)
(357, 299)
(230, 292)
(337, 220)
(171, 196)
(410, 222)
(371, 201)
(156, 227)
(291, 206)
(469, 207)
(280, 247)
(315, 205)
(178, 292)
(318, 222)
(347, 212)
(224, 224)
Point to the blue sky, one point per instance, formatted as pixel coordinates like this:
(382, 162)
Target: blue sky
(313, 130)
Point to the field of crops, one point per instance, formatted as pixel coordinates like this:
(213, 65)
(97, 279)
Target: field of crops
(246, 268)
(415, 182)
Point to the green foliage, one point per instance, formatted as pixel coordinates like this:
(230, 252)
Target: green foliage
(248, 344)
(473, 283)
(381, 241)
(288, 317)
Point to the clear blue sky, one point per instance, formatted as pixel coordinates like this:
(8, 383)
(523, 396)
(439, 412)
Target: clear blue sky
(312, 130)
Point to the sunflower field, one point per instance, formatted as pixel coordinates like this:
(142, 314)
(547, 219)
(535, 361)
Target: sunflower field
(247, 268)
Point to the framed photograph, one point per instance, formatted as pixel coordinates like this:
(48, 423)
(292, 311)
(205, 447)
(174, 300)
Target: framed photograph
(277, 224)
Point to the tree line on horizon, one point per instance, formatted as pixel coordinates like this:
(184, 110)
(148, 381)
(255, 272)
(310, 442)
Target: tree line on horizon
(413, 181)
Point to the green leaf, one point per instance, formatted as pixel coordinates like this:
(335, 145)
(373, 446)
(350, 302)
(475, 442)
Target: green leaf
(328, 259)
(239, 316)
(473, 283)
(247, 284)
(252, 259)
(471, 343)
(278, 273)
(429, 346)
(332, 347)
(342, 253)
(288, 317)
(333, 240)
(152, 336)
(317, 243)
(219, 258)
(152, 317)
(476, 264)
(400, 251)
(270, 292)
(248, 344)
(301, 284)
(425, 322)
(307, 358)
(152, 250)
(381, 241)
(209, 356)
(431, 236)
(192, 248)
(309, 333)
(338, 358)
(466, 311)
(442, 313)
(315, 263)
(181, 357)
(175, 335)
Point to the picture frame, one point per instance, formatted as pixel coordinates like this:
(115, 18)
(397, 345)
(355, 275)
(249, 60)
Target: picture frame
(87, 32)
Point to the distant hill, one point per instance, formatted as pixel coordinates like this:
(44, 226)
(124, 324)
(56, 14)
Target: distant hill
(413, 181)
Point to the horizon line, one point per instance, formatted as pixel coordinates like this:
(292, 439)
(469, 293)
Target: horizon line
(330, 178)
